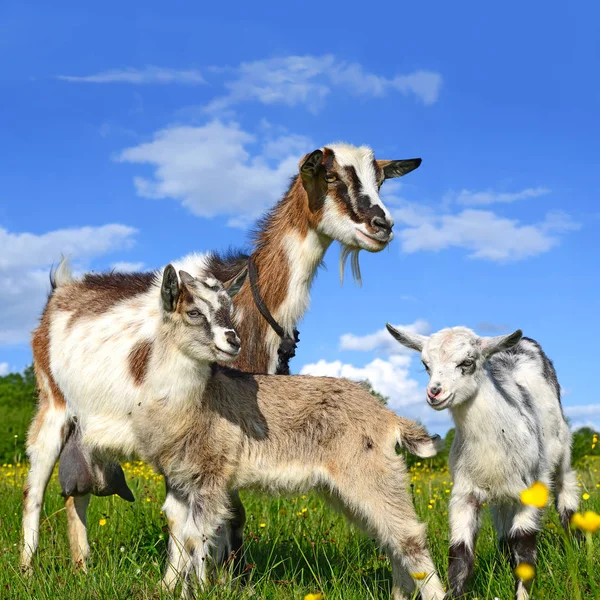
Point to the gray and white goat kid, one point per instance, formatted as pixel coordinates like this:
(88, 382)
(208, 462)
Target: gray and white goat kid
(504, 398)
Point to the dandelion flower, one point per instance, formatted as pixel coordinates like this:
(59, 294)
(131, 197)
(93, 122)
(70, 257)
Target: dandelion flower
(586, 496)
(262, 525)
(317, 596)
(102, 522)
(536, 495)
(588, 521)
(419, 576)
(525, 572)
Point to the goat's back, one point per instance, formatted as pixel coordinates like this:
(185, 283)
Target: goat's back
(526, 376)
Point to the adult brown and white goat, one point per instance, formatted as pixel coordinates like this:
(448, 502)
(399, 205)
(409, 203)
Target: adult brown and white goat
(334, 197)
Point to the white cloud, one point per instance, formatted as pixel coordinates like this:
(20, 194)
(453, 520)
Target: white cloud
(212, 171)
(583, 415)
(3, 369)
(308, 80)
(381, 340)
(483, 234)
(25, 263)
(147, 75)
(26, 250)
(128, 267)
(467, 197)
(583, 410)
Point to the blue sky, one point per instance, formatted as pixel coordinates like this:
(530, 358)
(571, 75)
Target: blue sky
(135, 133)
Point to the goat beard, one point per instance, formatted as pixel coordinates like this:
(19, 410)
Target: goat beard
(353, 253)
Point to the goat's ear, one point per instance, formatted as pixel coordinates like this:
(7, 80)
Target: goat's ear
(415, 341)
(310, 164)
(311, 167)
(169, 291)
(398, 168)
(491, 345)
(186, 278)
(236, 285)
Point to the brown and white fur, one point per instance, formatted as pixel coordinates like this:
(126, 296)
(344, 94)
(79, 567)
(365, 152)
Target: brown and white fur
(104, 350)
(334, 197)
(504, 398)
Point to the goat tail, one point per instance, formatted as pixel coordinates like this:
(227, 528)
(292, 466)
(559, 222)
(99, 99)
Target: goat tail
(416, 439)
(62, 275)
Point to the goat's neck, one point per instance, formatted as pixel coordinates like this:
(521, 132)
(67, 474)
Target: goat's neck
(289, 250)
(174, 376)
(474, 418)
(288, 254)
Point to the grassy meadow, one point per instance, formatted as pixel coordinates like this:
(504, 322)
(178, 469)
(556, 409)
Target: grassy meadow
(295, 546)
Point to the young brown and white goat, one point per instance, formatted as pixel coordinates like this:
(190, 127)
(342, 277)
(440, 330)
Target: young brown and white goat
(103, 351)
(280, 433)
(335, 196)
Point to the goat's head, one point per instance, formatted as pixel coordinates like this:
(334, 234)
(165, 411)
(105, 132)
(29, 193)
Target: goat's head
(198, 311)
(453, 359)
(342, 183)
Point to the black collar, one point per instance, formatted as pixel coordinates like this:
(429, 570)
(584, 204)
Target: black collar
(287, 346)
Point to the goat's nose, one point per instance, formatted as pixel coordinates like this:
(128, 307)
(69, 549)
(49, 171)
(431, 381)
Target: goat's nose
(378, 222)
(232, 339)
(434, 390)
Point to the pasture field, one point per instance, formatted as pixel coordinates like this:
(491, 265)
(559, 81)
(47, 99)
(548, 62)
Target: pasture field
(295, 546)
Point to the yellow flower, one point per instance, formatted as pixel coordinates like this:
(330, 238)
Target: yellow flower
(317, 596)
(525, 572)
(262, 525)
(589, 521)
(586, 496)
(421, 575)
(102, 522)
(536, 495)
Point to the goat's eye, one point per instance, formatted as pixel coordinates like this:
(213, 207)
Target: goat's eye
(330, 178)
(466, 363)
(194, 314)
(425, 365)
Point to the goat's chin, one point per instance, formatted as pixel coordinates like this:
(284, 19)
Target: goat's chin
(224, 356)
(364, 241)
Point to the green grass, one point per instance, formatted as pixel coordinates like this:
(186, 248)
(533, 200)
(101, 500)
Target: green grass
(295, 546)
